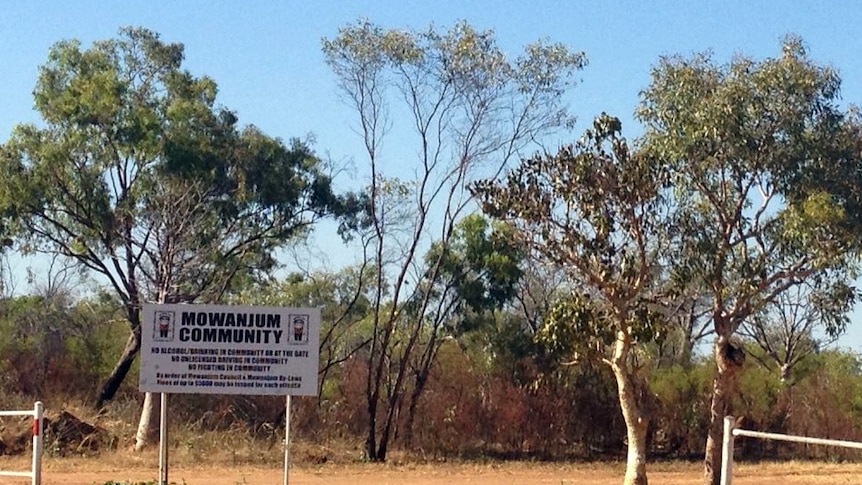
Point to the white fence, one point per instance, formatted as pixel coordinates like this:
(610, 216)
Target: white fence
(730, 432)
(35, 474)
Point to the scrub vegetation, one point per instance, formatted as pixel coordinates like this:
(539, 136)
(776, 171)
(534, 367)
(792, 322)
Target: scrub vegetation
(610, 299)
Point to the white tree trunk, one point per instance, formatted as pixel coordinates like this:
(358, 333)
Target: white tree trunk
(148, 425)
(636, 459)
(633, 395)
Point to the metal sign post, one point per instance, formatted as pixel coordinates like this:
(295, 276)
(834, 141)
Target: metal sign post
(286, 439)
(163, 439)
(223, 349)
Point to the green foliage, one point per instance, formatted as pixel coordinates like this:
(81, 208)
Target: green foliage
(831, 301)
(345, 304)
(478, 269)
(471, 109)
(682, 409)
(138, 175)
(596, 210)
(799, 323)
(750, 144)
(576, 321)
(463, 65)
(479, 404)
(55, 341)
(339, 294)
(578, 327)
(759, 393)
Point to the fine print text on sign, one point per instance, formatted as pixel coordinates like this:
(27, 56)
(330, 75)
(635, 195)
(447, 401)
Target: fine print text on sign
(219, 349)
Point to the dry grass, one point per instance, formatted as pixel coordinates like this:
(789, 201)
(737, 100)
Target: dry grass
(126, 467)
(240, 456)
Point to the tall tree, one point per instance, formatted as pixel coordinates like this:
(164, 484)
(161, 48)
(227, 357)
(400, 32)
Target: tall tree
(136, 175)
(767, 172)
(598, 210)
(469, 109)
(799, 323)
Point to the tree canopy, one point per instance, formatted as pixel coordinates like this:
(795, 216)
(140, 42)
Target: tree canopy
(470, 109)
(766, 170)
(136, 174)
(597, 210)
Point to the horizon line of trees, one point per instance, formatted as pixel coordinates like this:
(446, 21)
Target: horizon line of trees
(493, 394)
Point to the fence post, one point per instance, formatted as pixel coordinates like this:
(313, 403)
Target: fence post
(38, 430)
(727, 452)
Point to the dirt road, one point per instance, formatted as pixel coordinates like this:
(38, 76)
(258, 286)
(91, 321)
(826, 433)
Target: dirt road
(91, 472)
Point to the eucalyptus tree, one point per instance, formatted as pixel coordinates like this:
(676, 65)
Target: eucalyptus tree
(767, 172)
(799, 323)
(459, 107)
(136, 175)
(599, 211)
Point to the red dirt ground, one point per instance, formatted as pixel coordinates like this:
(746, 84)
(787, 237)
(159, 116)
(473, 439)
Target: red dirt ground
(90, 472)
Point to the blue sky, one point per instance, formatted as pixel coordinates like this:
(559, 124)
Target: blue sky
(266, 56)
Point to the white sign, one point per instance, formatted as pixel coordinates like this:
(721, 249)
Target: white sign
(219, 349)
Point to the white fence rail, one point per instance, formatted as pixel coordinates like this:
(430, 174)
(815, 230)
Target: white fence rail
(35, 473)
(730, 432)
